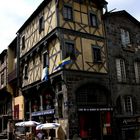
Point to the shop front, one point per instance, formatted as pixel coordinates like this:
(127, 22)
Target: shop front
(129, 127)
(95, 123)
(94, 113)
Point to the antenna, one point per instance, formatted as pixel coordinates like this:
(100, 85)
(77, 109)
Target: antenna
(112, 10)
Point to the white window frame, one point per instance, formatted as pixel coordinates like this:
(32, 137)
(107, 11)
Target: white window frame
(125, 37)
(128, 105)
(120, 68)
(137, 71)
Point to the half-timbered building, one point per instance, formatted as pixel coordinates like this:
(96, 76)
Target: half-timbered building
(5, 96)
(64, 70)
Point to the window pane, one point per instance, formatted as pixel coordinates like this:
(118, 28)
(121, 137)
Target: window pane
(70, 51)
(128, 104)
(67, 12)
(41, 24)
(97, 54)
(125, 37)
(137, 71)
(93, 20)
(23, 42)
(120, 68)
(45, 60)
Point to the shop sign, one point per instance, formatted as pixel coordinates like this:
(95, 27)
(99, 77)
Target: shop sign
(130, 121)
(45, 112)
(95, 109)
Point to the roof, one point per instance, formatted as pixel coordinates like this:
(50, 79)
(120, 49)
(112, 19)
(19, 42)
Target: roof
(4, 52)
(40, 7)
(123, 13)
(13, 43)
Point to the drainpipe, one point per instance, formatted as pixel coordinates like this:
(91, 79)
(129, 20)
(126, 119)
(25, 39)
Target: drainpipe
(30, 110)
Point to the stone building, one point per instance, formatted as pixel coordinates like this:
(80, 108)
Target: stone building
(64, 70)
(123, 41)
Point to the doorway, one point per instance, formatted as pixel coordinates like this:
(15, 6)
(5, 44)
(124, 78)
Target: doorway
(90, 125)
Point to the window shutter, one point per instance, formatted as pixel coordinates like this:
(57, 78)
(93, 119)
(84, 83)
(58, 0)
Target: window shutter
(123, 36)
(137, 71)
(118, 67)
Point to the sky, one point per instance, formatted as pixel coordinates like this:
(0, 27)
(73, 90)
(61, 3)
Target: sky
(13, 13)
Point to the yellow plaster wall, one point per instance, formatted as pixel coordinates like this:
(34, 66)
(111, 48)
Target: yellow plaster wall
(19, 101)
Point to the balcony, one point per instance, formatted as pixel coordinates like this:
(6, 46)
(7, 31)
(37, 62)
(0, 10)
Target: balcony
(12, 76)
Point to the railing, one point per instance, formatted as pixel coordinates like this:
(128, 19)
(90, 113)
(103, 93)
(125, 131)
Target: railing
(12, 75)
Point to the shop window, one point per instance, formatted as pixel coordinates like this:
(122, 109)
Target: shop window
(67, 12)
(60, 105)
(23, 42)
(35, 106)
(70, 50)
(125, 37)
(93, 20)
(121, 72)
(41, 24)
(128, 105)
(48, 101)
(137, 71)
(96, 54)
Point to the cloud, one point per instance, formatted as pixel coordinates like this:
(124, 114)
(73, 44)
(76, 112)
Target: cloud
(131, 6)
(13, 13)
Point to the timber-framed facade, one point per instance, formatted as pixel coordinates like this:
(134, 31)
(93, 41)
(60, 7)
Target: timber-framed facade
(64, 68)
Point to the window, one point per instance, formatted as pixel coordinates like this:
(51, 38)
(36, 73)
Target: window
(67, 12)
(93, 20)
(41, 24)
(96, 54)
(45, 59)
(125, 38)
(70, 51)
(25, 71)
(137, 71)
(16, 112)
(120, 67)
(128, 106)
(23, 42)
(2, 78)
